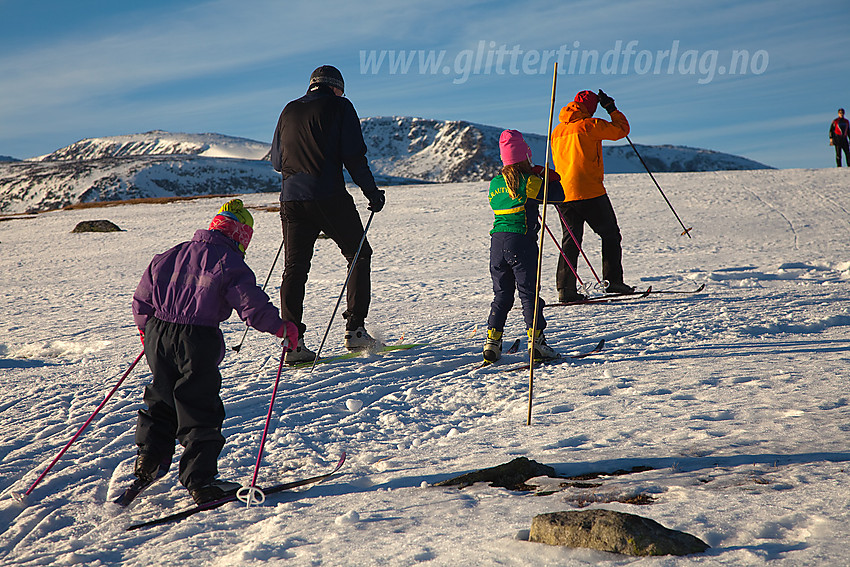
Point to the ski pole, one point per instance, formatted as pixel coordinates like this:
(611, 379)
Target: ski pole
(540, 250)
(580, 249)
(686, 230)
(563, 254)
(342, 291)
(251, 494)
(88, 421)
(245, 334)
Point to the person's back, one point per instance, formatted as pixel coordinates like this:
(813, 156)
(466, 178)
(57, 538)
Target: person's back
(577, 149)
(200, 282)
(315, 135)
(514, 197)
(577, 154)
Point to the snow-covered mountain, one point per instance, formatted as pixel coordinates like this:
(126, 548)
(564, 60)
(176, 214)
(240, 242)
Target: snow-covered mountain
(401, 150)
(432, 150)
(31, 186)
(455, 151)
(157, 142)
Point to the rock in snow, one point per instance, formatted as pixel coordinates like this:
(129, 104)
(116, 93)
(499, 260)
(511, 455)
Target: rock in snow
(616, 532)
(96, 226)
(510, 475)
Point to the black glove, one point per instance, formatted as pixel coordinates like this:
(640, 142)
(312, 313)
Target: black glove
(606, 102)
(376, 200)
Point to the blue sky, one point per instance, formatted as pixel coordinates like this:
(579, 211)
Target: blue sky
(73, 70)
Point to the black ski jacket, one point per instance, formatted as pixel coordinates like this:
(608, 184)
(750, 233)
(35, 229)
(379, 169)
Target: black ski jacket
(316, 135)
(839, 129)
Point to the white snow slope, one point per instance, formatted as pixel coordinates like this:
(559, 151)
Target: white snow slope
(736, 397)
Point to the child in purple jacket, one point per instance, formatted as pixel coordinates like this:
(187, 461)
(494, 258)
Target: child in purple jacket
(183, 296)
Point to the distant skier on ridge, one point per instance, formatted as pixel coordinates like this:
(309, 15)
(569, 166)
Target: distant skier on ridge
(838, 137)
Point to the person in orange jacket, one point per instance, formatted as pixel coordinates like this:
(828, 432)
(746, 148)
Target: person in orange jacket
(577, 154)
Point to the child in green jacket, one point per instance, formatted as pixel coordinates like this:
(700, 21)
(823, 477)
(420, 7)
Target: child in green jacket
(515, 195)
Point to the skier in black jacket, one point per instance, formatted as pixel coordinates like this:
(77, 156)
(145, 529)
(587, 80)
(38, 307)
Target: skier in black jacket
(838, 137)
(316, 135)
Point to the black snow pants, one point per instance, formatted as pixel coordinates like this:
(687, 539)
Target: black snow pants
(841, 145)
(513, 267)
(302, 221)
(599, 215)
(183, 400)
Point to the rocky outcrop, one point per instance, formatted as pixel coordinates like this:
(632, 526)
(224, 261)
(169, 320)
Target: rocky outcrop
(512, 475)
(615, 532)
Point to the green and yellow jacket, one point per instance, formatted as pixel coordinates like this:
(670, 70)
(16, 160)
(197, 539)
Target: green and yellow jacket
(519, 214)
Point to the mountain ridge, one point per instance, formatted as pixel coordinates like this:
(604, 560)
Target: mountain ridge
(401, 150)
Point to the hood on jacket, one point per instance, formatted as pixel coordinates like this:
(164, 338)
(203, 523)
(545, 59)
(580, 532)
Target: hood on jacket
(573, 112)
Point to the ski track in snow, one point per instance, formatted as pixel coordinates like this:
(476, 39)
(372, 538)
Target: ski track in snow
(736, 396)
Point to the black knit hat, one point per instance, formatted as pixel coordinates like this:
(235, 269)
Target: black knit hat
(327, 75)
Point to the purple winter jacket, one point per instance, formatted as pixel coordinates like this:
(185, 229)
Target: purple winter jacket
(201, 282)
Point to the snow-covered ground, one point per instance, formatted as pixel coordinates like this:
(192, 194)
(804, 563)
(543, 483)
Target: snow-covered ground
(736, 398)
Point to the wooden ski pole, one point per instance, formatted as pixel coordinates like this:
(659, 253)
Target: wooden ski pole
(540, 248)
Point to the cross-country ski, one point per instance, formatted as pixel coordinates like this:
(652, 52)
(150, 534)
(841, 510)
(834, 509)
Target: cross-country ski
(183, 514)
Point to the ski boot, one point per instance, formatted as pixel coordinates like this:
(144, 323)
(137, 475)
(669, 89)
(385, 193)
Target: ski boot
(493, 345)
(148, 469)
(619, 287)
(300, 354)
(542, 351)
(212, 491)
(565, 296)
(360, 339)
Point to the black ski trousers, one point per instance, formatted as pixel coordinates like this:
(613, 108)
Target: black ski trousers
(599, 215)
(183, 400)
(302, 221)
(513, 267)
(841, 145)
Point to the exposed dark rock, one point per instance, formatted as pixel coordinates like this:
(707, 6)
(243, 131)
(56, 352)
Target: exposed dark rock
(96, 226)
(615, 532)
(512, 475)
